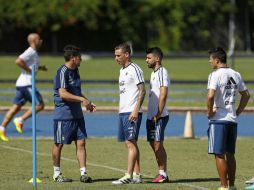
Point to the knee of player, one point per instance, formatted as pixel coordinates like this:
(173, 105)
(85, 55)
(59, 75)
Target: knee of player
(40, 107)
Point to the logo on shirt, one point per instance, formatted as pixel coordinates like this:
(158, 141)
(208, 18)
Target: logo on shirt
(126, 73)
(231, 84)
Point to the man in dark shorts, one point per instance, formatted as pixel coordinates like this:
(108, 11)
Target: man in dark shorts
(69, 123)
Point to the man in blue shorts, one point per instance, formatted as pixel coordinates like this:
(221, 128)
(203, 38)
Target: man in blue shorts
(132, 93)
(157, 113)
(24, 86)
(69, 124)
(223, 85)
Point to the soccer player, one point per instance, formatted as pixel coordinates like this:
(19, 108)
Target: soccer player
(132, 93)
(24, 86)
(157, 114)
(69, 124)
(223, 85)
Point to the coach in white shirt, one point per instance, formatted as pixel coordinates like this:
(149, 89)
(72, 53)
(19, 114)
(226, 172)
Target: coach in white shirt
(157, 114)
(223, 85)
(132, 93)
(24, 86)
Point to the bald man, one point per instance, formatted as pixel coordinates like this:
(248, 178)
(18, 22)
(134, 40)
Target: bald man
(24, 86)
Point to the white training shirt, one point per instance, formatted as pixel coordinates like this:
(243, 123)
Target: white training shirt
(158, 79)
(30, 57)
(129, 78)
(226, 82)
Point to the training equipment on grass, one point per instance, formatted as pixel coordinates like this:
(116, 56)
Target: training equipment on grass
(188, 128)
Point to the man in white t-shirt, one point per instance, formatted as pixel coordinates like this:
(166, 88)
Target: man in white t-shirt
(24, 86)
(132, 93)
(157, 113)
(223, 85)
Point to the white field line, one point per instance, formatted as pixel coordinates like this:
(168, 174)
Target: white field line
(95, 165)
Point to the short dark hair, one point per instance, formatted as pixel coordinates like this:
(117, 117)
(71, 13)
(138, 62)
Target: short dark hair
(156, 51)
(125, 47)
(219, 53)
(71, 50)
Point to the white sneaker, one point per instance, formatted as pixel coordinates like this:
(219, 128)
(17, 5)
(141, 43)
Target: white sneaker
(124, 180)
(137, 178)
(250, 181)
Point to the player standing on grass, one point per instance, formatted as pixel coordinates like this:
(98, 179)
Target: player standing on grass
(69, 124)
(132, 93)
(24, 86)
(157, 114)
(223, 84)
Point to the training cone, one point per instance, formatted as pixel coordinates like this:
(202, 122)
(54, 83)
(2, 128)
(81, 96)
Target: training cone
(37, 180)
(188, 129)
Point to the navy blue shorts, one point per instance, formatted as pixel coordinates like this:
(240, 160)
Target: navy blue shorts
(222, 137)
(155, 131)
(70, 130)
(128, 130)
(24, 94)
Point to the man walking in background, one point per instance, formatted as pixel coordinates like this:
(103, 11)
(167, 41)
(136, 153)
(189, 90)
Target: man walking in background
(69, 124)
(157, 113)
(24, 86)
(223, 84)
(132, 93)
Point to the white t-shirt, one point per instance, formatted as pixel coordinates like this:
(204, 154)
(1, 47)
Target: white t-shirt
(158, 79)
(129, 78)
(30, 57)
(226, 82)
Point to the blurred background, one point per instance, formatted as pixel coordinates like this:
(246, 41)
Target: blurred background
(189, 26)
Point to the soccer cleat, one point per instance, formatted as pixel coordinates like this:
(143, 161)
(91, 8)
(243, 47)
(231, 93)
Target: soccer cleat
(250, 181)
(19, 125)
(251, 187)
(86, 179)
(124, 180)
(137, 178)
(3, 136)
(160, 179)
(60, 178)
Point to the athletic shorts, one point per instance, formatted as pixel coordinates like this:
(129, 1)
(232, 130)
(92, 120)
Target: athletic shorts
(70, 130)
(222, 137)
(24, 94)
(127, 129)
(155, 131)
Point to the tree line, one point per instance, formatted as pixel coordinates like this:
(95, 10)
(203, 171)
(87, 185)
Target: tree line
(98, 25)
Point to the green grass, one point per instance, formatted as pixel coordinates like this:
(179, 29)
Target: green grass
(108, 69)
(188, 163)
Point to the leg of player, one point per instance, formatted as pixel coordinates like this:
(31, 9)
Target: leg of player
(18, 121)
(56, 156)
(137, 177)
(81, 157)
(222, 169)
(161, 158)
(9, 115)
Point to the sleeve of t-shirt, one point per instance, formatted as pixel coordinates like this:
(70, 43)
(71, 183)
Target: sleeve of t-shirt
(61, 79)
(163, 78)
(242, 86)
(138, 75)
(212, 81)
(26, 56)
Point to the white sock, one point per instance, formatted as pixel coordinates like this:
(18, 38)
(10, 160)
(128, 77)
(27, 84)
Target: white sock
(82, 170)
(162, 172)
(2, 128)
(56, 171)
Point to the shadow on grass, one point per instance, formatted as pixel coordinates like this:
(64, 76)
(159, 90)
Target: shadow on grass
(194, 180)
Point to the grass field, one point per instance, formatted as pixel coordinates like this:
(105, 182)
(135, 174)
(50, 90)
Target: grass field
(107, 69)
(190, 166)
